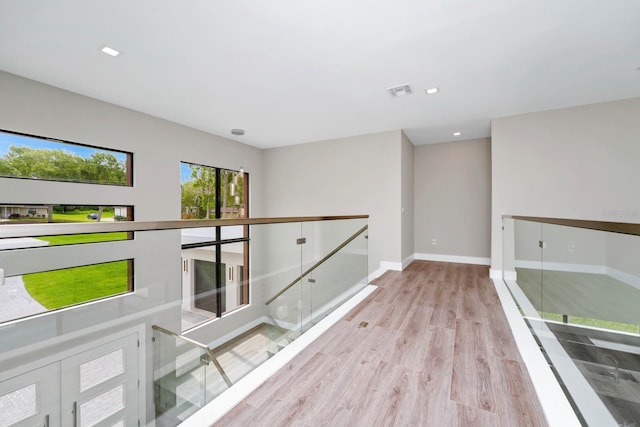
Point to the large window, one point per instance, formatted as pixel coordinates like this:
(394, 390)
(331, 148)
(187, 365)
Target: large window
(23, 295)
(27, 290)
(32, 157)
(41, 213)
(215, 260)
(209, 192)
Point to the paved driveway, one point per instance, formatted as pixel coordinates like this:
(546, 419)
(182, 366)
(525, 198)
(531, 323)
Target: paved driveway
(15, 301)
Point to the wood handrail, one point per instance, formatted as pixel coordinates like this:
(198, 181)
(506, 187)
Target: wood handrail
(612, 227)
(317, 264)
(8, 230)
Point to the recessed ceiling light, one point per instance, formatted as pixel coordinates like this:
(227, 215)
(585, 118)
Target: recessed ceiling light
(401, 90)
(110, 51)
(457, 133)
(432, 91)
(238, 132)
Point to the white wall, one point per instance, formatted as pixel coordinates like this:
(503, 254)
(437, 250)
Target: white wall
(407, 203)
(355, 175)
(623, 255)
(452, 198)
(579, 162)
(563, 245)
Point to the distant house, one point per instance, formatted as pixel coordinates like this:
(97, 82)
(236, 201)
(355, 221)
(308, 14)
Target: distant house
(28, 211)
(120, 212)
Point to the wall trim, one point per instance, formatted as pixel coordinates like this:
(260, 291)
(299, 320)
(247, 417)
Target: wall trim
(389, 265)
(408, 260)
(622, 276)
(453, 258)
(562, 266)
(627, 278)
(373, 276)
(496, 273)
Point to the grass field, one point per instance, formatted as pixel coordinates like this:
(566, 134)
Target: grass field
(81, 216)
(83, 238)
(62, 288)
(78, 216)
(596, 323)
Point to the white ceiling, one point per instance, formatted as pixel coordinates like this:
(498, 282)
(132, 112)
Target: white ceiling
(292, 71)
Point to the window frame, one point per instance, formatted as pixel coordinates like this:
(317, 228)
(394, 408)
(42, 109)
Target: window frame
(219, 243)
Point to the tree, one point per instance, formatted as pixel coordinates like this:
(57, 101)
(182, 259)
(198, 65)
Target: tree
(204, 184)
(62, 165)
(189, 199)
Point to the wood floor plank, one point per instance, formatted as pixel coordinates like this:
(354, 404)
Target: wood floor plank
(241, 415)
(500, 341)
(471, 383)
(436, 350)
(466, 416)
(511, 407)
(445, 306)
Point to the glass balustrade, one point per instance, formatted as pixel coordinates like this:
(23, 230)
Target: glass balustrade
(199, 306)
(578, 288)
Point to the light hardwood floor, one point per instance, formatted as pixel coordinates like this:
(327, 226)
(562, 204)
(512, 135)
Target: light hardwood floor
(430, 347)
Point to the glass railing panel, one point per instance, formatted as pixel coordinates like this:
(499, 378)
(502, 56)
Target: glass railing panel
(276, 252)
(185, 378)
(582, 306)
(187, 366)
(335, 257)
(527, 262)
(580, 287)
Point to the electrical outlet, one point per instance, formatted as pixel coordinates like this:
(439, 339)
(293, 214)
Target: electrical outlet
(434, 241)
(572, 247)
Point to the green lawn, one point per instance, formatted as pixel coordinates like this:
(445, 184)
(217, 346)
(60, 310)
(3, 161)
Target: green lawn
(81, 216)
(78, 216)
(62, 288)
(584, 321)
(83, 238)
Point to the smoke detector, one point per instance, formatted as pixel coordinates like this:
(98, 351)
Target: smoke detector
(401, 90)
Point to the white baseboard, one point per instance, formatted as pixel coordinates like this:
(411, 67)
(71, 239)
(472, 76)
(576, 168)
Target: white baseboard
(563, 266)
(379, 272)
(627, 278)
(408, 260)
(453, 258)
(389, 265)
(496, 274)
(400, 266)
(384, 267)
(622, 276)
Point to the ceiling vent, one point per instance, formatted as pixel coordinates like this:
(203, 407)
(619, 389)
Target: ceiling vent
(400, 90)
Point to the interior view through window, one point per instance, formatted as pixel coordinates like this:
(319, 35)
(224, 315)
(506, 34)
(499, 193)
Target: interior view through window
(214, 259)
